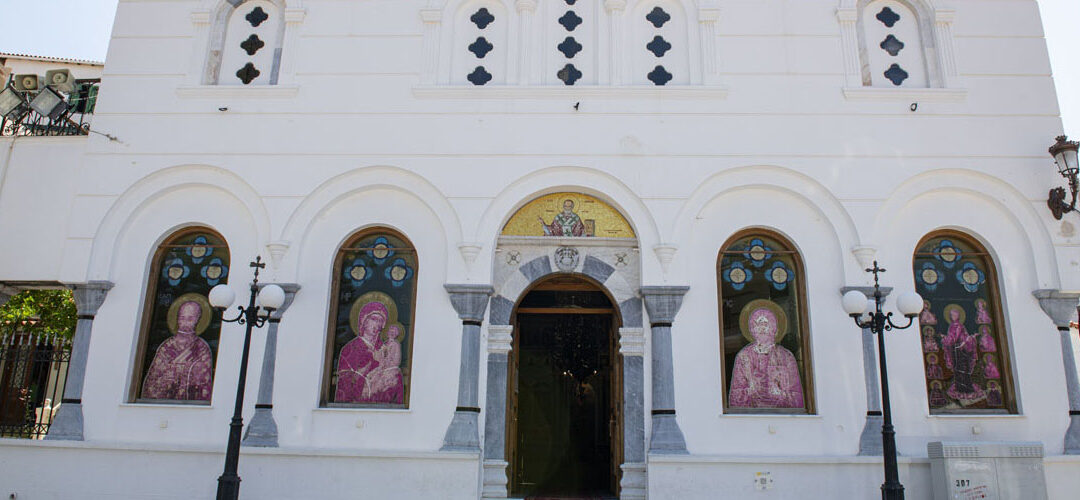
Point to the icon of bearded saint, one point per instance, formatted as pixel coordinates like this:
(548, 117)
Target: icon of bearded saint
(765, 374)
(182, 366)
(565, 223)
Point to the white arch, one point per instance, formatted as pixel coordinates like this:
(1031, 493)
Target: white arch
(996, 193)
(145, 190)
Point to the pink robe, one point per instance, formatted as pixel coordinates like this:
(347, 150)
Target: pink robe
(355, 363)
(961, 357)
(991, 370)
(769, 380)
(986, 343)
(934, 372)
(181, 370)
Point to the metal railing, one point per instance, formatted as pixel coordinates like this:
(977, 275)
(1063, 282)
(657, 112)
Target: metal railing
(33, 372)
(74, 121)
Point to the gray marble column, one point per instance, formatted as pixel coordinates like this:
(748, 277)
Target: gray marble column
(634, 483)
(499, 343)
(68, 423)
(870, 443)
(470, 302)
(662, 303)
(262, 430)
(1061, 307)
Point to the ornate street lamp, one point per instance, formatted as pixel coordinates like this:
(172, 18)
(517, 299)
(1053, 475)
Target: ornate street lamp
(1064, 153)
(910, 305)
(260, 305)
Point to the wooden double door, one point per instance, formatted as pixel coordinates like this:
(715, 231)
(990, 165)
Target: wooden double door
(565, 394)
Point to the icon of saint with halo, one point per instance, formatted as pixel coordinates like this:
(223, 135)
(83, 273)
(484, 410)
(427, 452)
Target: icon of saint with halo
(182, 368)
(765, 374)
(565, 223)
(369, 370)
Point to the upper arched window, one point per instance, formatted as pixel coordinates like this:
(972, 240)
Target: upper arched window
(661, 44)
(245, 43)
(893, 45)
(178, 341)
(965, 352)
(764, 341)
(481, 44)
(369, 348)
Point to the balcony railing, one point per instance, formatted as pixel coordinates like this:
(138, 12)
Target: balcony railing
(71, 117)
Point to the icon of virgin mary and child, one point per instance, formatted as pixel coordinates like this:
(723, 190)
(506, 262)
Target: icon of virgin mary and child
(766, 374)
(369, 366)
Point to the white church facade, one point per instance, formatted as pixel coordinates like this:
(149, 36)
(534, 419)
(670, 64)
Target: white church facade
(544, 248)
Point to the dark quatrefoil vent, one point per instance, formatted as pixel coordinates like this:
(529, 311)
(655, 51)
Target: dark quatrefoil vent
(658, 46)
(888, 17)
(482, 18)
(658, 17)
(570, 47)
(481, 47)
(248, 73)
(660, 76)
(892, 45)
(479, 76)
(252, 44)
(571, 2)
(896, 74)
(569, 74)
(570, 20)
(256, 17)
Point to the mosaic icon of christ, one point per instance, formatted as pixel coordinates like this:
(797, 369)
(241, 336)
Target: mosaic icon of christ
(766, 374)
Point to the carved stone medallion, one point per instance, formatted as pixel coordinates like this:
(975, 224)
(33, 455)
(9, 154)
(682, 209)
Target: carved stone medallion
(566, 258)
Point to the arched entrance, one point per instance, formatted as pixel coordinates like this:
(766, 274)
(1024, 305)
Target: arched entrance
(565, 391)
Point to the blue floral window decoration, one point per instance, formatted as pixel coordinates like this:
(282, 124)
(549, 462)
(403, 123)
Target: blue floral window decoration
(199, 250)
(757, 252)
(737, 275)
(773, 294)
(380, 250)
(780, 275)
(929, 276)
(970, 276)
(174, 271)
(371, 316)
(947, 253)
(214, 272)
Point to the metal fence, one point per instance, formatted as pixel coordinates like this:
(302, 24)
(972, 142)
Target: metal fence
(74, 119)
(33, 372)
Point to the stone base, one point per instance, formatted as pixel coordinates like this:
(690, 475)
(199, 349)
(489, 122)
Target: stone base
(667, 438)
(464, 433)
(495, 479)
(870, 441)
(635, 482)
(262, 430)
(68, 423)
(1072, 436)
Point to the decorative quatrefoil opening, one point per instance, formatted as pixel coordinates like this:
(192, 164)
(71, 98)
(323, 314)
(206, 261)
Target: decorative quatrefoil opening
(570, 47)
(658, 17)
(257, 16)
(479, 76)
(888, 17)
(481, 47)
(248, 73)
(570, 20)
(658, 46)
(571, 2)
(482, 18)
(660, 76)
(252, 44)
(892, 45)
(569, 74)
(896, 74)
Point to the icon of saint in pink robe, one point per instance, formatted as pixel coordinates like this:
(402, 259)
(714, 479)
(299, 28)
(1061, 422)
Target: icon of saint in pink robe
(359, 363)
(986, 340)
(961, 357)
(927, 318)
(982, 316)
(766, 374)
(182, 366)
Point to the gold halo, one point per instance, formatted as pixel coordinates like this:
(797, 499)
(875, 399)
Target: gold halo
(950, 307)
(385, 335)
(781, 318)
(204, 320)
(367, 298)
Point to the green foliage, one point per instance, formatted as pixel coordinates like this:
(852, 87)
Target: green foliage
(40, 311)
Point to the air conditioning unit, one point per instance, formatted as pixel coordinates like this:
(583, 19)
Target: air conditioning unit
(60, 79)
(27, 83)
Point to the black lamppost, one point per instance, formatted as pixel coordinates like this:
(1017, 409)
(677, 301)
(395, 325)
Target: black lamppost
(910, 304)
(270, 298)
(1064, 153)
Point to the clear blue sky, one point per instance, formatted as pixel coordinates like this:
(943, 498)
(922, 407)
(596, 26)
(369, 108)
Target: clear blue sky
(81, 28)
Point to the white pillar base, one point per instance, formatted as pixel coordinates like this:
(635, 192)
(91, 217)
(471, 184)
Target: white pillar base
(495, 479)
(635, 482)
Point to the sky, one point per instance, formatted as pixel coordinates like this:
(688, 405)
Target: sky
(87, 24)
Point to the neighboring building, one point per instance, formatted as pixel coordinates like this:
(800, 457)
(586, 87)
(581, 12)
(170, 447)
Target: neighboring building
(551, 248)
(18, 64)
